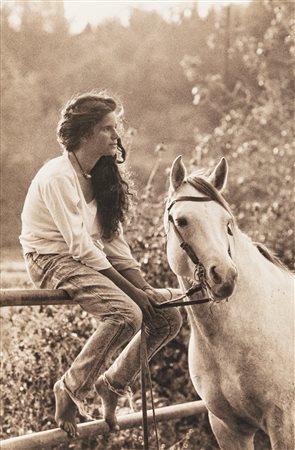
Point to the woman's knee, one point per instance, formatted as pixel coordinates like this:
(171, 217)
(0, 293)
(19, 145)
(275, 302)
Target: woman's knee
(174, 319)
(125, 312)
(168, 323)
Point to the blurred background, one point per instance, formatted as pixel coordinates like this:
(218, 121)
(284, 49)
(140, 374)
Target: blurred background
(204, 79)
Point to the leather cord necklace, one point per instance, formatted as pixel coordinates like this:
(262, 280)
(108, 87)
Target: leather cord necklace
(85, 174)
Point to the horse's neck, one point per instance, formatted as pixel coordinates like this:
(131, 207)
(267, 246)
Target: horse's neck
(254, 269)
(262, 292)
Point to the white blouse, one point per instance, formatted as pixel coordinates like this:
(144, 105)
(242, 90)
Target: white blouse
(57, 219)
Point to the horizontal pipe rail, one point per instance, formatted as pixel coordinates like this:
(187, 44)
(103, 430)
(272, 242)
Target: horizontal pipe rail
(56, 436)
(34, 297)
(37, 297)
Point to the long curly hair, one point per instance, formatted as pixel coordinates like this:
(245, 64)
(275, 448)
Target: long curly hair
(112, 195)
(111, 191)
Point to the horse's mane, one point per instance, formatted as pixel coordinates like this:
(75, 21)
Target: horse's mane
(270, 255)
(206, 188)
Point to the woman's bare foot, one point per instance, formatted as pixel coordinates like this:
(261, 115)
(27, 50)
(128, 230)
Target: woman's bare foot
(109, 403)
(65, 410)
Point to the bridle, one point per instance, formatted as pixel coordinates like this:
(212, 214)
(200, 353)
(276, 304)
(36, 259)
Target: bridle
(199, 270)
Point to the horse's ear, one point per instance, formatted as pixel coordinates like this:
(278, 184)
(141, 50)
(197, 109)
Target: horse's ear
(218, 176)
(178, 173)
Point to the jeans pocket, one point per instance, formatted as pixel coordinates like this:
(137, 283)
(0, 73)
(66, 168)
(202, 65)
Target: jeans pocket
(31, 257)
(34, 271)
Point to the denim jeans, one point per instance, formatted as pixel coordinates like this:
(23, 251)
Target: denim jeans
(118, 319)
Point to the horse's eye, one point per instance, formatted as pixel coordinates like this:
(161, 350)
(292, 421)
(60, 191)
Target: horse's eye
(181, 222)
(229, 229)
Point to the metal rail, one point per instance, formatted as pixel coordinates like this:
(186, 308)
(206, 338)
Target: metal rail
(56, 436)
(34, 297)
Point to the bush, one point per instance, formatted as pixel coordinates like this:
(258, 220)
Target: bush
(255, 129)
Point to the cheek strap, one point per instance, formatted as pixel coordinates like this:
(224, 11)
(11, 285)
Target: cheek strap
(184, 245)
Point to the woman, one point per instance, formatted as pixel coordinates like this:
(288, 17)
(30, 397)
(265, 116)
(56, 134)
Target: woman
(72, 239)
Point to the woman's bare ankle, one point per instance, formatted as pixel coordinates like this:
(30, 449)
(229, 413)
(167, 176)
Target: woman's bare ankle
(109, 403)
(65, 410)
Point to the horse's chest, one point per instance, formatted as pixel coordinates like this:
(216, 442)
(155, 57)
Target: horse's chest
(227, 391)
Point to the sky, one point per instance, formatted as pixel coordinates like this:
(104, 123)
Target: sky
(79, 13)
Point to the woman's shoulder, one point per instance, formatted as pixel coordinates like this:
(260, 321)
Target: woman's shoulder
(56, 168)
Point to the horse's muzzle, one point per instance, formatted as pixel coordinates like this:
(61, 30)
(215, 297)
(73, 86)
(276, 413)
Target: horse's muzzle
(222, 285)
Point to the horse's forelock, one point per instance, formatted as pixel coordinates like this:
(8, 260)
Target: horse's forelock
(207, 189)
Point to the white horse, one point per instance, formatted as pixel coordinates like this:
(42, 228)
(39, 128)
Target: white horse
(241, 351)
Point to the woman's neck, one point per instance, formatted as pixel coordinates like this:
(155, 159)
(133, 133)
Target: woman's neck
(82, 163)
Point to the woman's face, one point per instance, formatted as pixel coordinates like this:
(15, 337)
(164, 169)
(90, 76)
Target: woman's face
(103, 141)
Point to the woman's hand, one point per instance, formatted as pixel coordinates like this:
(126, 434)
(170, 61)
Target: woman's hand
(154, 295)
(147, 304)
(144, 296)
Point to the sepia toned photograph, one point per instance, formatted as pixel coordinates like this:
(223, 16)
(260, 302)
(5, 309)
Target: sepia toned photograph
(147, 225)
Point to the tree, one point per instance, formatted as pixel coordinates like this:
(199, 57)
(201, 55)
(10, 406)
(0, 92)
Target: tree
(254, 129)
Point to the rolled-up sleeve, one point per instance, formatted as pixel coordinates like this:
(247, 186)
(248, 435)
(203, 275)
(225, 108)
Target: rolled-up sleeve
(119, 253)
(62, 200)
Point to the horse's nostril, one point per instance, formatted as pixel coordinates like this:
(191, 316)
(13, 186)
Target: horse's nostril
(215, 275)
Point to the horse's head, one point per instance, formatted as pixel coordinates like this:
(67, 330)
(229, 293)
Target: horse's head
(201, 217)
